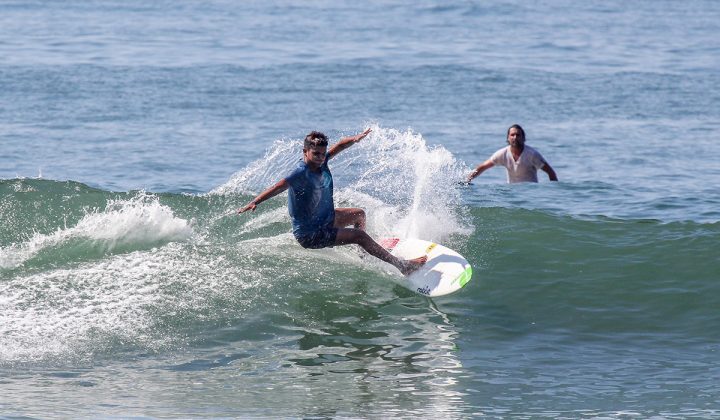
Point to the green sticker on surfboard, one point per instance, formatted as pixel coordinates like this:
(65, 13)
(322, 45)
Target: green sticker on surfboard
(445, 272)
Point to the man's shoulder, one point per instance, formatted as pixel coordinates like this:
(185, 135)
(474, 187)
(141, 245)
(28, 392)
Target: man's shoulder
(532, 151)
(297, 171)
(534, 157)
(500, 153)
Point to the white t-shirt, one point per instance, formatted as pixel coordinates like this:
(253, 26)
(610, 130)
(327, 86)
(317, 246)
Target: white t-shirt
(526, 167)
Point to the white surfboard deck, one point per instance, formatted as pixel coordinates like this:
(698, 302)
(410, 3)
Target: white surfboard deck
(445, 272)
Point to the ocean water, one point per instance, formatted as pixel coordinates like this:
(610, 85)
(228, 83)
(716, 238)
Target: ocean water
(131, 131)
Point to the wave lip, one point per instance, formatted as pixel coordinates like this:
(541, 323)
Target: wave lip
(124, 225)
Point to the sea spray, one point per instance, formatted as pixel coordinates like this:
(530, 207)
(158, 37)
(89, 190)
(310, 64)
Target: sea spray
(280, 158)
(415, 183)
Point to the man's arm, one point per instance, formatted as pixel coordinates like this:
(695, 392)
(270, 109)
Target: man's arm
(346, 142)
(549, 170)
(269, 193)
(480, 169)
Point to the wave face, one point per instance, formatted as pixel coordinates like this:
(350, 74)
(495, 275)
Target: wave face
(93, 277)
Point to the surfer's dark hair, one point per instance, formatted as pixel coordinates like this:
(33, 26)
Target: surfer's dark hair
(520, 129)
(315, 139)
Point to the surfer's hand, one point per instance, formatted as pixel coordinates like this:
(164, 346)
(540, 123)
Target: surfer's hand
(363, 134)
(251, 206)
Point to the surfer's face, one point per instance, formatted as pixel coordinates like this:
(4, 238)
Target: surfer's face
(515, 138)
(315, 155)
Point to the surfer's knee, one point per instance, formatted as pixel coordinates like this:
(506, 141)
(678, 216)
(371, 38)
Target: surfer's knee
(360, 220)
(357, 217)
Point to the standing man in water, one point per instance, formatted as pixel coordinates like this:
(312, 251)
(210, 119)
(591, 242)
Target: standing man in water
(316, 222)
(521, 161)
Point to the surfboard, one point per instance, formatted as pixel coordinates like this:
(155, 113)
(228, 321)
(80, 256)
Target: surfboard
(445, 272)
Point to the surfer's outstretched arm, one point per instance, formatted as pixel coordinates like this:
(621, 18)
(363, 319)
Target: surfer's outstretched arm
(346, 142)
(269, 193)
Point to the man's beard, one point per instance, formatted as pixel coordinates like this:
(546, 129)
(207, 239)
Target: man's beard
(516, 143)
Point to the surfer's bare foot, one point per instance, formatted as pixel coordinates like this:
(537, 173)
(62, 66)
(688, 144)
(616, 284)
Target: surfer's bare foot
(410, 266)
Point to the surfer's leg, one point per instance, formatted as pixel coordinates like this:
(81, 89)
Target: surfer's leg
(354, 217)
(347, 236)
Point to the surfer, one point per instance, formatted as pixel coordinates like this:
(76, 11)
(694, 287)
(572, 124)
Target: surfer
(316, 222)
(521, 161)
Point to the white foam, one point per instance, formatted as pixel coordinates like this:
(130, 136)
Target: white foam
(137, 222)
(140, 299)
